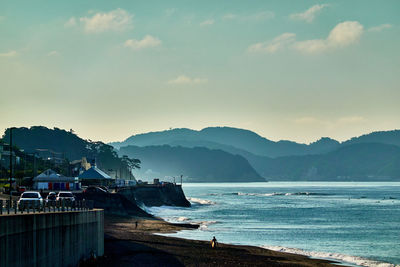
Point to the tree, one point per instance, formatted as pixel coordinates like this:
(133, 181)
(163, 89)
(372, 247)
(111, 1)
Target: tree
(131, 164)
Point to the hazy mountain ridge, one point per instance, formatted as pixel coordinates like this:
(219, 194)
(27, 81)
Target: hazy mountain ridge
(316, 161)
(356, 162)
(199, 164)
(240, 139)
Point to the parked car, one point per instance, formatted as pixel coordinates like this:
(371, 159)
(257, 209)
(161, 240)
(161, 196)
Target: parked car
(68, 196)
(94, 189)
(52, 196)
(30, 199)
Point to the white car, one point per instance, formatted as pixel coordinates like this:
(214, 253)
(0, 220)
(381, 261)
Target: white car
(65, 196)
(30, 199)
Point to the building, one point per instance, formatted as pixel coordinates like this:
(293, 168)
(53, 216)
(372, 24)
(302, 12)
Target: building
(95, 176)
(50, 180)
(79, 166)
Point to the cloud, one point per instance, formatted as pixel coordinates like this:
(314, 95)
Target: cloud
(309, 14)
(70, 23)
(147, 42)
(115, 20)
(53, 53)
(332, 123)
(229, 16)
(182, 79)
(11, 53)
(380, 28)
(273, 46)
(207, 22)
(260, 16)
(169, 11)
(344, 34)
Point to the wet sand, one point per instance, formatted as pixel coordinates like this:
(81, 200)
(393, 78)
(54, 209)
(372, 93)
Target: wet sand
(126, 245)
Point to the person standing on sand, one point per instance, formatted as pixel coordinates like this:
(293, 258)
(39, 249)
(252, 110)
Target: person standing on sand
(136, 223)
(214, 242)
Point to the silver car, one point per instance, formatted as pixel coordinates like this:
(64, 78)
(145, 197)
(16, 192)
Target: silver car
(30, 199)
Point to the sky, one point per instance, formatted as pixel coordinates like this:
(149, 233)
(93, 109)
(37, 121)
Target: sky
(288, 70)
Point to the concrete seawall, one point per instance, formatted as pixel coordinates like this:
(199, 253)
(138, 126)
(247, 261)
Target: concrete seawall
(157, 195)
(51, 239)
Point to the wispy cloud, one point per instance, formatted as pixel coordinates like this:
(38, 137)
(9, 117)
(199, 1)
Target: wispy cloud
(310, 14)
(380, 28)
(207, 22)
(260, 16)
(182, 79)
(147, 42)
(344, 34)
(70, 23)
(169, 11)
(330, 123)
(273, 46)
(11, 53)
(115, 20)
(53, 53)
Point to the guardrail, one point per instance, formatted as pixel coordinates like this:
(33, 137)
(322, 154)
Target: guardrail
(7, 207)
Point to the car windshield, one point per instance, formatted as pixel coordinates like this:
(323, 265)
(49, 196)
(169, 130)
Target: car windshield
(30, 195)
(67, 194)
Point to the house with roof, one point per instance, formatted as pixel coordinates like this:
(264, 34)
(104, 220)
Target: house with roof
(51, 180)
(95, 176)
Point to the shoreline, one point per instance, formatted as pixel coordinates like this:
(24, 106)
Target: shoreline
(142, 246)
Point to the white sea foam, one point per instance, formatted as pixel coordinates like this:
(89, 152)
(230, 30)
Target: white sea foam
(201, 201)
(203, 225)
(360, 261)
(183, 219)
(278, 194)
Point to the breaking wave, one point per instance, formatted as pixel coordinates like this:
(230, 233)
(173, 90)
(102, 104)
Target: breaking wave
(360, 261)
(204, 224)
(201, 201)
(278, 194)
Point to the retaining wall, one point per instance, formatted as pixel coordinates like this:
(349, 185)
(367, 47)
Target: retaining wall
(51, 239)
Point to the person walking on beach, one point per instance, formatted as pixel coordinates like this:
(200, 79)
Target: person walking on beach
(136, 223)
(214, 242)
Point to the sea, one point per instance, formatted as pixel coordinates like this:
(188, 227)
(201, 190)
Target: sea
(354, 223)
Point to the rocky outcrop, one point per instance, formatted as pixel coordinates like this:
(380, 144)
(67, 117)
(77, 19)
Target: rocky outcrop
(156, 195)
(115, 204)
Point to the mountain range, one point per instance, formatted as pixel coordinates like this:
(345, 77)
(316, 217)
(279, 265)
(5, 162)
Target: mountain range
(373, 156)
(224, 154)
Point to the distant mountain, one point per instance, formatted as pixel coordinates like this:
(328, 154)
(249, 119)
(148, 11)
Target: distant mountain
(286, 160)
(383, 137)
(356, 162)
(233, 140)
(199, 164)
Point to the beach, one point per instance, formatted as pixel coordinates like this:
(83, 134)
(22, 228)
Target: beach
(129, 245)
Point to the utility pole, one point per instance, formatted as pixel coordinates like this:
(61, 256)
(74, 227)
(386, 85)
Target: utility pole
(11, 165)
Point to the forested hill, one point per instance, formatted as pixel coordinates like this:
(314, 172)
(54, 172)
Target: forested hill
(356, 162)
(199, 164)
(66, 145)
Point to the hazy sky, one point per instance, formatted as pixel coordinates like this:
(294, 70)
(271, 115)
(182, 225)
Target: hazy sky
(293, 70)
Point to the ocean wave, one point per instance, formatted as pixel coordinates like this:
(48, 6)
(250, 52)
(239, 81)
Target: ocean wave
(203, 225)
(201, 201)
(278, 194)
(183, 219)
(360, 261)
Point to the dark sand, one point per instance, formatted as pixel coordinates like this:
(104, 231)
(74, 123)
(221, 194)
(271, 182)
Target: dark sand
(127, 246)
